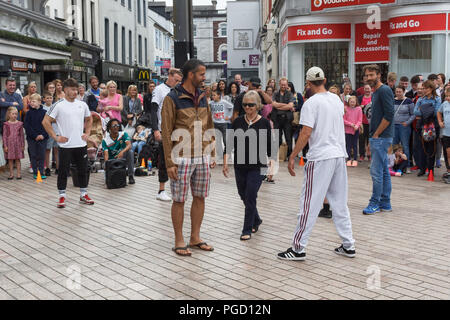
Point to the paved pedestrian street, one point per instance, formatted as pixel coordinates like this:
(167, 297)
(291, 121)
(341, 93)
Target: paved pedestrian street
(120, 248)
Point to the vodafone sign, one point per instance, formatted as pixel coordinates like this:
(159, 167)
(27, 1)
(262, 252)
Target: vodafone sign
(317, 32)
(318, 5)
(418, 23)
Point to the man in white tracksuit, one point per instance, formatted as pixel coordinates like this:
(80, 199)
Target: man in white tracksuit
(325, 170)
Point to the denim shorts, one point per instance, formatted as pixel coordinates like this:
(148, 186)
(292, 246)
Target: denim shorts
(51, 143)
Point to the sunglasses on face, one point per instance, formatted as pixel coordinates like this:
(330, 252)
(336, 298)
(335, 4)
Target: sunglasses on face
(250, 105)
(115, 126)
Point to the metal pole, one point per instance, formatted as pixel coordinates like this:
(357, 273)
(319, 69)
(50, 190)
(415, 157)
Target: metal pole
(184, 44)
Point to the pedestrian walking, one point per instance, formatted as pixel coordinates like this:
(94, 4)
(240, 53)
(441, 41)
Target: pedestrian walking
(74, 122)
(325, 171)
(250, 161)
(185, 110)
(381, 135)
(159, 94)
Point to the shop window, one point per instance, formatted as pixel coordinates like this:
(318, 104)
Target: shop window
(332, 57)
(107, 44)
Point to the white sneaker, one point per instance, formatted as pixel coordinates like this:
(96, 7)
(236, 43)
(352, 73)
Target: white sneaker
(163, 197)
(30, 170)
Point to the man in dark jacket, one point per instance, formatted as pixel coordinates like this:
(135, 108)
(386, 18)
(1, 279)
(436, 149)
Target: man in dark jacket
(9, 98)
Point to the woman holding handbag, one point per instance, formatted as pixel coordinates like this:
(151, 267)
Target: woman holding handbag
(403, 117)
(132, 105)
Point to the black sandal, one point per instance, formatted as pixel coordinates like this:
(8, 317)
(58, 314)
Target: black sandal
(245, 235)
(10, 178)
(201, 246)
(188, 254)
(255, 229)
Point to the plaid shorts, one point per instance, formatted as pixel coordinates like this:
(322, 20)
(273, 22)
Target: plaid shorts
(195, 174)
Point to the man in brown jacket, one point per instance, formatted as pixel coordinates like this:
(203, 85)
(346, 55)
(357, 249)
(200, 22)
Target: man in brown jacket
(186, 115)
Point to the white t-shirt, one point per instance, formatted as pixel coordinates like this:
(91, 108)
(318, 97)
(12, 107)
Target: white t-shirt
(69, 118)
(324, 113)
(158, 96)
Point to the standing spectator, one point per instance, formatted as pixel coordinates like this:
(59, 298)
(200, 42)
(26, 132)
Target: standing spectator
(391, 81)
(426, 110)
(267, 108)
(74, 121)
(440, 85)
(117, 145)
(272, 83)
(365, 101)
(148, 97)
(238, 80)
(352, 122)
(9, 98)
(360, 91)
(434, 77)
(221, 111)
(403, 118)
(82, 96)
(298, 103)
(381, 136)
(418, 151)
(233, 92)
(208, 92)
(254, 84)
(183, 106)
(50, 87)
(347, 92)
(444, 122)
(222, 88)
(214, 86)
(95, 89)
(59, 93)
(282, 113)
(13, 141)
(159, 94)
(51, 143)
(404, 83)
(325, 171)
(113, 102)
(247, 169)
(412, 94)
(132, 107)
(32, 89)
(37, 137)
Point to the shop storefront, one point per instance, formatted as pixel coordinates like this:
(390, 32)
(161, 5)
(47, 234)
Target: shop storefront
(411, 39)
(23, 70)
(143, 79)
(123, 75)
(86, 54)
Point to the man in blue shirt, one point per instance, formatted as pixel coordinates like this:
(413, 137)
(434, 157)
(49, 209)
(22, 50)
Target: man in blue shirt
(381, 133)
(9, 98)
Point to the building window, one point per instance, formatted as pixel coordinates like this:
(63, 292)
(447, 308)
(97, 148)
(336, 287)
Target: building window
(129, 5)
(123, 46)
(130, 48)
(145, 13)
(146, 53)
(140, 49)
(222, 30)
(107, 39)
(222, 53)
(116, 42)
(195, 52)
(139, 10)
(93, 39)
(195, 30)
(122, 2)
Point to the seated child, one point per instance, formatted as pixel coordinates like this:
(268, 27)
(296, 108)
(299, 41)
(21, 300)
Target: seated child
(398, 161)
(140, 139)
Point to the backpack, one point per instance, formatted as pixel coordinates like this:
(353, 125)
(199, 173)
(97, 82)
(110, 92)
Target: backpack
(429, 132)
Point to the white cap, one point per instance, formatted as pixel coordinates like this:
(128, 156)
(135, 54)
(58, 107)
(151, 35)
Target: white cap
(315, 74)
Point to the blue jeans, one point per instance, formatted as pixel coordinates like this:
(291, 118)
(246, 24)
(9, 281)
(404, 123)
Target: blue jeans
(381, 191)
(402, 135)
(138, 145)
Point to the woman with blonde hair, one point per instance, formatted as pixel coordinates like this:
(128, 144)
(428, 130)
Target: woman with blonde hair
(132, 105)
(59, 93)
(32, 89)
(251, 161)
(113, 103)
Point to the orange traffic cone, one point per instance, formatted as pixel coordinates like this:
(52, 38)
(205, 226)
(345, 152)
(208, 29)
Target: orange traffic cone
(431, 176)
(143, 163)
(39, 178)
(302, 162)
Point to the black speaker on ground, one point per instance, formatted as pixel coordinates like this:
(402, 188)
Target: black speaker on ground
(116, 173)
(74, 175)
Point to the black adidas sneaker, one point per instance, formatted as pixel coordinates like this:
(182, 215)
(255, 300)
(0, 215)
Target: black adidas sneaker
(344, 252)
(290, 254)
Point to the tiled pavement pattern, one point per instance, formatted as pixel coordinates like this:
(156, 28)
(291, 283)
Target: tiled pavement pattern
(122, 245)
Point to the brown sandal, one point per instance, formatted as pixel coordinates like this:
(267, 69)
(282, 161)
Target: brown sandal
(200, 246)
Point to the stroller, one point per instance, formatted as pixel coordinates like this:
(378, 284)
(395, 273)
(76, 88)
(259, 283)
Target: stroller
(94, 143)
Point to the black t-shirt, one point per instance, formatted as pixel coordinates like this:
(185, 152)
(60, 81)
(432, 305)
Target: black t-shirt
(238, 103)
(252, 151)
(285, 98)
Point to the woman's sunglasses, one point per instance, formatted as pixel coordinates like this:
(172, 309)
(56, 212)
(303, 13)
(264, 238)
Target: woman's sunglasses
(115, 126)
(251, 105)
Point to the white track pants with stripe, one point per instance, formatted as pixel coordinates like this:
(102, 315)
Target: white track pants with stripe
(324, 179)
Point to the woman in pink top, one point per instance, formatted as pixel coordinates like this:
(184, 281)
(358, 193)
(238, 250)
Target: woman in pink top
(113, 102)
(352, 122)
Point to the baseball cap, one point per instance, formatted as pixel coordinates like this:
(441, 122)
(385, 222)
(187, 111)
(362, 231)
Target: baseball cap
(315, 74)
(255, 81)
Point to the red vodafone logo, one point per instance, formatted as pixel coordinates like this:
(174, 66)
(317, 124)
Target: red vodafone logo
(317, 3)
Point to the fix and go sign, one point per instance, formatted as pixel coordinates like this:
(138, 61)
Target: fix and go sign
(371, 45)
(318, 32)
(418, 23)
(318, 5)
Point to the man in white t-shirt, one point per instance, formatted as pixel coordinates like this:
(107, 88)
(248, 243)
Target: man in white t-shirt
(160, 92)
(325, 171)
(74, 123)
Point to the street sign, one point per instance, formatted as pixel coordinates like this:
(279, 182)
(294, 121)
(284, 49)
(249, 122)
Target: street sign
(159, 63)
